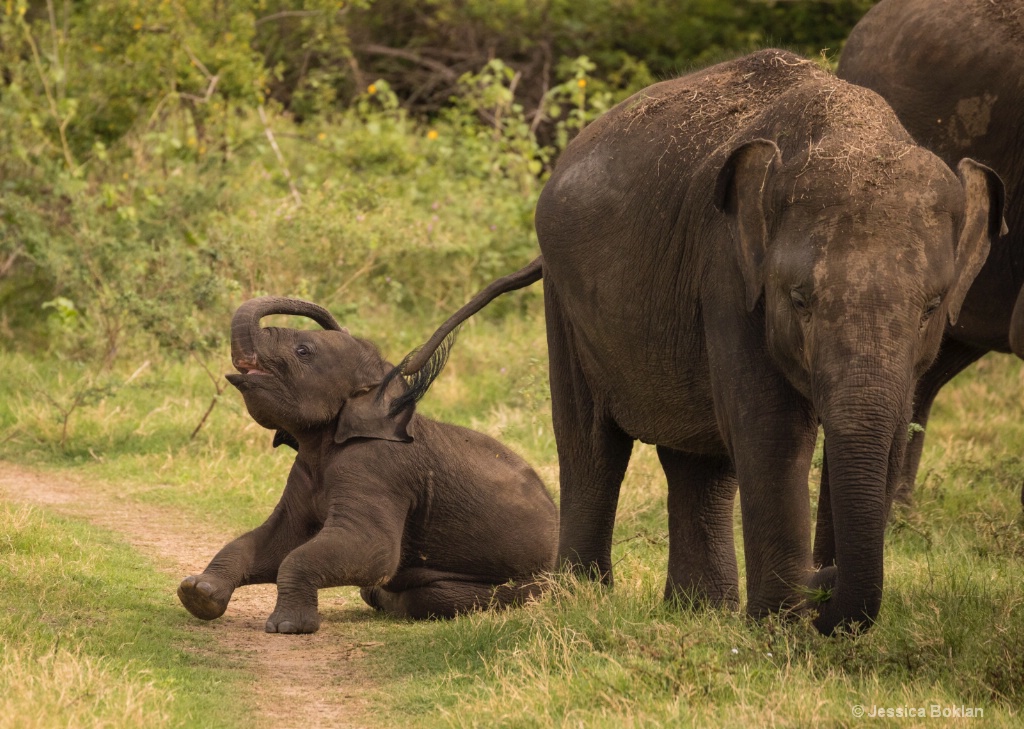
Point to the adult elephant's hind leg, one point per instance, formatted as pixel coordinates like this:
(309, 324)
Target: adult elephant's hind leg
(592, 455)
(953, 358)
(701, 552)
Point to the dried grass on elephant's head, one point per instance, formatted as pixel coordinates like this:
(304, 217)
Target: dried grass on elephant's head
(851, 130)
(1007, 15)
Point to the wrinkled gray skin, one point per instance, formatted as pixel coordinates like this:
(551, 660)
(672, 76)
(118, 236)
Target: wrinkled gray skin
(729, 258)
(430, 519)
(953, 71)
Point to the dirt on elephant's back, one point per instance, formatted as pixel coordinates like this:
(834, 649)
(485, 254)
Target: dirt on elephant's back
(298, 681)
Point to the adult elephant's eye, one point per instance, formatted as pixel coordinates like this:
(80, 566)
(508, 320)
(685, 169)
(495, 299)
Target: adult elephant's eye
(800, 302)
(930, 309)
(302, 350)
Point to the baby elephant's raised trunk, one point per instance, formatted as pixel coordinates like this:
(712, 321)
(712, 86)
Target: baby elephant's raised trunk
(245, 324)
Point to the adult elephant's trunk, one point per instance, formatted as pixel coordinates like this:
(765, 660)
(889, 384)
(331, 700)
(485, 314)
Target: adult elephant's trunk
(245, 324)
(865, 419)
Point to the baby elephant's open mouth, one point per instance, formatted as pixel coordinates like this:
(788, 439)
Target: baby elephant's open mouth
(248, 367)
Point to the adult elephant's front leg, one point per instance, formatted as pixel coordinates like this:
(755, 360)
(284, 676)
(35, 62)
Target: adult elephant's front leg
(773, 458)
(592, 455)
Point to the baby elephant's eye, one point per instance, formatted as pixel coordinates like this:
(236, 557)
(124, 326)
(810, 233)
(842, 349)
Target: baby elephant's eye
(302, 350)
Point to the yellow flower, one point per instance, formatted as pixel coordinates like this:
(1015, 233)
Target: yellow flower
(432, 135)
(582, 83)
(98, 48)
(137, 25)
(321, 136)
(371, 89)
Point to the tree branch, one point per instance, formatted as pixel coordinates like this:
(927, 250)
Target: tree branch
(287, 14)
(436, 66)
(280, 157)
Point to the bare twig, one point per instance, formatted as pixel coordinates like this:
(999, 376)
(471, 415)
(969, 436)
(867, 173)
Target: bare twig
(141, 368)
(218, 385)
(499, 111)
(371, 261)
(195, 60)
(62, 124)
(436, 66)
(280, 157)
(205, 98)
(287, 14)
(55, 39)
(357, 74)
(6, 266)
(539, 113)
(65, 412)
(202, 420)
(211, 78)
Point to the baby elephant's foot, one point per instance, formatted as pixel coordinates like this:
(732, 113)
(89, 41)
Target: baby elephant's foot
(371, 596)
(205, 596)
(302, 620)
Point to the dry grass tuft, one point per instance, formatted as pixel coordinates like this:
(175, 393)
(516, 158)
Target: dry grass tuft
(63, 688)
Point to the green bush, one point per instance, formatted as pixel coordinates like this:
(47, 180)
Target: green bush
(165, 160)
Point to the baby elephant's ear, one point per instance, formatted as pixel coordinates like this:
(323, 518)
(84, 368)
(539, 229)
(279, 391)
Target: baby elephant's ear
(364, 415)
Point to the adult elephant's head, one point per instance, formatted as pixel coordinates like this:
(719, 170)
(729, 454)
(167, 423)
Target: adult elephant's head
(858, 261)
(302, 382)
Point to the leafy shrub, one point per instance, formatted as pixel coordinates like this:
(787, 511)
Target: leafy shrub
(166, 160)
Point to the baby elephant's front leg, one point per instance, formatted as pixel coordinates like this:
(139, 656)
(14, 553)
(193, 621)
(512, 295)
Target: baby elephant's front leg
(206, 596)
(335, 557)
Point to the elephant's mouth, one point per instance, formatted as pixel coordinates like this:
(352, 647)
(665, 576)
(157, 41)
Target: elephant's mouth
(248, 367)
(248, 373)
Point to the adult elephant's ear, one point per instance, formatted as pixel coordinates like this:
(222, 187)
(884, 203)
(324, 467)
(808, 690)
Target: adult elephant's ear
(365, 415)
(740, 194)
(982, 225)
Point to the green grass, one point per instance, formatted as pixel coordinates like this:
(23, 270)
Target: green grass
(89, 636)
(951, 631)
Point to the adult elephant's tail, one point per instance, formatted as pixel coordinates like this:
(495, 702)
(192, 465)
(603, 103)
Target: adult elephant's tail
(422, 366)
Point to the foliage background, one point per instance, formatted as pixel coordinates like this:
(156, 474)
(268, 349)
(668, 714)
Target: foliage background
(163, 160)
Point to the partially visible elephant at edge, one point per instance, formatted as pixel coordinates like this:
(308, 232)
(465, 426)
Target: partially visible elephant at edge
(430, 519)
(953, 71)
(729, 258)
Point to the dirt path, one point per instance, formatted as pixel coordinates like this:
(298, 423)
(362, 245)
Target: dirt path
(301, 682)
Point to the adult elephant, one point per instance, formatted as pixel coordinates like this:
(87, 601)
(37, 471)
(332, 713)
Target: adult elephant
(953, 71)
(728, 258)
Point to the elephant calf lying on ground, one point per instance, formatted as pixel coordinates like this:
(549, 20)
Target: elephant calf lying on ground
(430, 519)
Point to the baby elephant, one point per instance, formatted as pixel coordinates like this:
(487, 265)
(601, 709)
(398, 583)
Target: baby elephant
(430, 519)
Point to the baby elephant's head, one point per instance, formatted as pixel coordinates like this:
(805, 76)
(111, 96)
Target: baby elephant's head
(306, 382)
